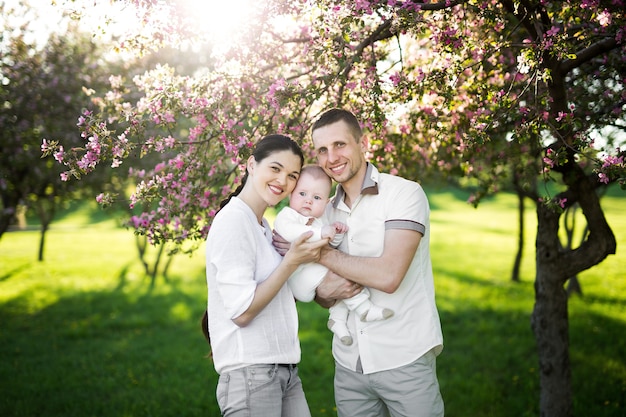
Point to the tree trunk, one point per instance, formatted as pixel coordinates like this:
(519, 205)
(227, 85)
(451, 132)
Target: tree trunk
(10, 202)
(551, 328)
(550, 321)
(42, 242)
(520, 237)
(46, 208)
(569, 223)
(574, 287)
(555, 264)
(151, 270)
(155, 268)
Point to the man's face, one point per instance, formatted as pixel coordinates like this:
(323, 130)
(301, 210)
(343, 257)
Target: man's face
(339, 153)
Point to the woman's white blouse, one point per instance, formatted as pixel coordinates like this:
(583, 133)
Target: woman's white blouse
(239, 256)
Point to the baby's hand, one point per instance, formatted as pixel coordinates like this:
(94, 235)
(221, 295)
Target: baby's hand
(340, 227)
(328, 232)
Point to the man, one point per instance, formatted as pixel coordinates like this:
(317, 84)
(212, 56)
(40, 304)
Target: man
(390, 368)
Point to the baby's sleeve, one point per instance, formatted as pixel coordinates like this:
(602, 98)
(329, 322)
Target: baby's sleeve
(290, 225)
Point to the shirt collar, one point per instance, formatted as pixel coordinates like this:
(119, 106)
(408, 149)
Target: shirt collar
(369, 186)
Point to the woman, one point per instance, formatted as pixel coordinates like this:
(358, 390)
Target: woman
(252, 318)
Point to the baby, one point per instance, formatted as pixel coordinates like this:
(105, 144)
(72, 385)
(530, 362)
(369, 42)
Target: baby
(307, 205)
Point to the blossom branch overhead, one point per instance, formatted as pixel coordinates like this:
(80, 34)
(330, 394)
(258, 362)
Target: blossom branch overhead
(452, 88)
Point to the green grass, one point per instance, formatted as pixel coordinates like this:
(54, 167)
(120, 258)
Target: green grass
(82, 334)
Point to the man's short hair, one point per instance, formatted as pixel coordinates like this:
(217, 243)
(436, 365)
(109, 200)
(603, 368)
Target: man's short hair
(335, 115)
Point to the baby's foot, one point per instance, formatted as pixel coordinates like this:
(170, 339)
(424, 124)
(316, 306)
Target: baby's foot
(341, 330)
(376, 313)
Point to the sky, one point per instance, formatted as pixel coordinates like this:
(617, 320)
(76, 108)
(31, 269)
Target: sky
(222, 19)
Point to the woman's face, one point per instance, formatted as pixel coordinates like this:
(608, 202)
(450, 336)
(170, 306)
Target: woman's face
(275, 176)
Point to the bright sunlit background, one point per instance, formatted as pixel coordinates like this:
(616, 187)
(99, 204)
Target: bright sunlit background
(221, 21)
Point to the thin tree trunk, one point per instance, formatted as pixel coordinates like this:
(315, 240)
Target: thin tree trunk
(573, 284)
(45, 214)
(155, 269)
(574, 287)
(569, 223)
(520, 238)
(42, 242)
(141, 243)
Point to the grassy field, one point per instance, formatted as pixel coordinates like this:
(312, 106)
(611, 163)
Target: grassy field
(82, 334)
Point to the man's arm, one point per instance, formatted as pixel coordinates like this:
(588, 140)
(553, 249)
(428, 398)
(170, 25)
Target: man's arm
(385, 272)
(334, 288)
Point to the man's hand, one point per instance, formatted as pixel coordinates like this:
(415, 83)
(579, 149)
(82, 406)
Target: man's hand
(334, 287)
(280, 244)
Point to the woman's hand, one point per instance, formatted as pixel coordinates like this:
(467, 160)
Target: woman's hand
(303, 252)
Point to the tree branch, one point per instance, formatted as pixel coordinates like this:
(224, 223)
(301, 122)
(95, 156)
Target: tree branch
(588, 54)
(522, 13)
(382, 32)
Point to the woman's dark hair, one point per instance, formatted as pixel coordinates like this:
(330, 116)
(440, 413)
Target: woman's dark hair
(264, 148)
(204, 325)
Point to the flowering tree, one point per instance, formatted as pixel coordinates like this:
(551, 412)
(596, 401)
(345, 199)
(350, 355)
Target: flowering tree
(41, 91)
(496, 92)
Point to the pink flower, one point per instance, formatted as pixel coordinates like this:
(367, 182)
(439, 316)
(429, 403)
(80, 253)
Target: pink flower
(59, 154)
(170, 142)
(169, 117)
(604, 18)
(548, 162)
(553, 31)
(395, 78)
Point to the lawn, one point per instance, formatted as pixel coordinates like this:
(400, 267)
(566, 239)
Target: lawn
(83, 334)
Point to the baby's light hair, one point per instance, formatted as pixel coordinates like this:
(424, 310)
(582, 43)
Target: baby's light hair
(316, 172)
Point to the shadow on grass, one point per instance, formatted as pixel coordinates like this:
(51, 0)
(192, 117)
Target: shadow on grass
(14, 271)
(489, 366)
(106, 354)
(598, 357)
(120, 353)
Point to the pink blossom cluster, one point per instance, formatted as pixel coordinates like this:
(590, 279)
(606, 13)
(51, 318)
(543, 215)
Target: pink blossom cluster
(612, 168)
(459, 91)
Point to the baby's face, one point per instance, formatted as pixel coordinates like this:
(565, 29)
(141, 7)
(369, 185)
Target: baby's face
(310, 196)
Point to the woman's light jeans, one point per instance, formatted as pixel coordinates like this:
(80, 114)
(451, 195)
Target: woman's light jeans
(272, 390)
